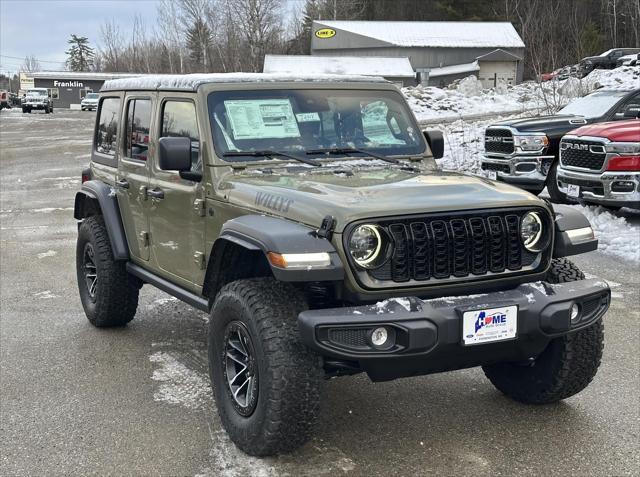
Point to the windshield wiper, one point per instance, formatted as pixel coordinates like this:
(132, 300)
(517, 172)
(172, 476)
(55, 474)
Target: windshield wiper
(348, 150)
(271, 153)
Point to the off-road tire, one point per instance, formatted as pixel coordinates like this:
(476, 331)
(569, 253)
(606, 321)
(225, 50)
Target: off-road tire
(116, 295)
(555, 194)
(289, 374)
(564, 368)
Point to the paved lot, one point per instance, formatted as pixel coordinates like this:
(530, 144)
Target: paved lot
(136, 401)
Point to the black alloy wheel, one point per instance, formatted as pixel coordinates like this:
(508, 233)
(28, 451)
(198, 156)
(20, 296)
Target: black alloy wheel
(240, 369)
(90, 270)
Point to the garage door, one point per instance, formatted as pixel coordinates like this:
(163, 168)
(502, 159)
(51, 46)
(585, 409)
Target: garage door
(493, 73)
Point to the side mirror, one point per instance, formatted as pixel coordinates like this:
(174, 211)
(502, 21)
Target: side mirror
(435, 139)
(632, 112)
(174, 154)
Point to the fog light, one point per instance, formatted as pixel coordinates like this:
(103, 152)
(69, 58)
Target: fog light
(379, 337)
(575, 313)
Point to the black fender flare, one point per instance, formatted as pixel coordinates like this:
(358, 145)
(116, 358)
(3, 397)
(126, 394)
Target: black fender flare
(96, 197)
(568, 220)
(271, 234)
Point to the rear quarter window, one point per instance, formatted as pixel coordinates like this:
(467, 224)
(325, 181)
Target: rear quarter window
(106, 138)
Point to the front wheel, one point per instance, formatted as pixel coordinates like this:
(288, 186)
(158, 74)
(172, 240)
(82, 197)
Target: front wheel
(556, 195)
(109, 294)
(564, 368)
(265, 381)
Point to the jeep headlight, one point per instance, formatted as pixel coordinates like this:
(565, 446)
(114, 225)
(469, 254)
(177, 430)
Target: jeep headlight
(366, 245)
(532, 232)
(531, 142)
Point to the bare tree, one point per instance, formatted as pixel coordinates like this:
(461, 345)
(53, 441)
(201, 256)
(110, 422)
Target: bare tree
(30, 64)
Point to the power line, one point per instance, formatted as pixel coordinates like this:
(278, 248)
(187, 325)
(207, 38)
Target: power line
(39, 60)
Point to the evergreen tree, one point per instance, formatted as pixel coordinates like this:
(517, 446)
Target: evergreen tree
(199, 39)
(80, 54)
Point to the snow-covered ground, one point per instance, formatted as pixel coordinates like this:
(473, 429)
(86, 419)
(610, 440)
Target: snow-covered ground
(467, 97)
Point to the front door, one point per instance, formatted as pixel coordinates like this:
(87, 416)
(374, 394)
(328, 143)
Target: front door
(176, 205)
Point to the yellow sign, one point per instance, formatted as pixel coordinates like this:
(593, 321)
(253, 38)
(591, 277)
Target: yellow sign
(325, 33)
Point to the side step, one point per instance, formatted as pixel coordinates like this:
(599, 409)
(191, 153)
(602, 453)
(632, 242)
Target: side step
(172, 289)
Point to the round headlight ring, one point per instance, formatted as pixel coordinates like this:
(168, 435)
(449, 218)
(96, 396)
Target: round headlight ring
(530, 241)
(368, 261)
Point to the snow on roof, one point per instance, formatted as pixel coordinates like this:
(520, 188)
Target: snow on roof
(361, 65)
(192, 81)
(432, 34)
(79, 75)
(454, 69)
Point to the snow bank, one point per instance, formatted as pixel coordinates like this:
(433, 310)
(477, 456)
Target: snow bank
(467, 96)
(616, 236)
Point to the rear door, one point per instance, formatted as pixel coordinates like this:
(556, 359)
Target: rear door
(132, 181)
(176, 207)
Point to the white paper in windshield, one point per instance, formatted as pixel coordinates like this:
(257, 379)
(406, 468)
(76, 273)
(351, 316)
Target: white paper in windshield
(261, 118)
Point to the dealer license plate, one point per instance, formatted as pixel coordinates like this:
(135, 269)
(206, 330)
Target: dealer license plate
(573, 190)
(489, 325)
(493, 175)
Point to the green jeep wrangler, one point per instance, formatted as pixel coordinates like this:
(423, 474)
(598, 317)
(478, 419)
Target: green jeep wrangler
(309, 219)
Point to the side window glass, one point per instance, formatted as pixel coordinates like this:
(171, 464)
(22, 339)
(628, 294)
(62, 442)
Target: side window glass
(107, 133)
(138, 123)
(631, 107)
(179, 120)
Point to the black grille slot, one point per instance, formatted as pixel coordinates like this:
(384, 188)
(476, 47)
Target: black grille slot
(400, 259)
(498, 140)
(440, 249)
(354, 337)
(496, 244)
(465, 245)
(514, 247)
(583, 154)
(421, 256)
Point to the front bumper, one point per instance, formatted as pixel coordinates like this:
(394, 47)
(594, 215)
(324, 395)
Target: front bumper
(615, 189)
(427, 334)
(525, 171)
(89, 106)
(35, 105)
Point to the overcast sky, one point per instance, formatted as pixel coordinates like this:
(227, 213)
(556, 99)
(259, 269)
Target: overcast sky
(42, 27)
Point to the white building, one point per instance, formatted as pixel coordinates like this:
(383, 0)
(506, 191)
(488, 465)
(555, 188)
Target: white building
(495, 46)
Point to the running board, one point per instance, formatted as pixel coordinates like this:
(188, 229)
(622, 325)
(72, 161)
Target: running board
(166, 286)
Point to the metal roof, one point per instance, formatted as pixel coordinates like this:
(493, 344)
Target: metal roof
(429, 34)
(80, 75)
(191, 82)
(360, 65)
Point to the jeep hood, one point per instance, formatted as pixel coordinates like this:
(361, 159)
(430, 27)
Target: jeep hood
(308, 197)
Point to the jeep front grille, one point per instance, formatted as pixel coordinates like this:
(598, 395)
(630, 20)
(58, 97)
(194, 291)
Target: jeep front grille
(460, 246)
(582, 154)
(498, 140)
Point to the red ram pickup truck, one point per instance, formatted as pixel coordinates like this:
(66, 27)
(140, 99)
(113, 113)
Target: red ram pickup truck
(600, 164)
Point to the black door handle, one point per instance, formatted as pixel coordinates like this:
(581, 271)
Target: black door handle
(122, 184)
(156, 193)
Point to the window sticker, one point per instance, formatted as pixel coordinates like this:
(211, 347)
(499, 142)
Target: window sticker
(307, 117)
(261, 118)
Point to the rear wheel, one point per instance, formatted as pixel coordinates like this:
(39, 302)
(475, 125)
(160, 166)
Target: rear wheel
(564, 368)
(265, 381)
(109, 294)
(555, 193)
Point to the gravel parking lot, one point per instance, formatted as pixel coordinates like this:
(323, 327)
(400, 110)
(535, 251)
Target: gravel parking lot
(77, 400)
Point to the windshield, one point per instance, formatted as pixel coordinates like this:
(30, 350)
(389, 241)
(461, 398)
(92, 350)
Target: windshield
(92, 96)
(305, 120)
(593, 105)
(36, 92)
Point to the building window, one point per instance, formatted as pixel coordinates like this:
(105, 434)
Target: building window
(138, 124)
(107, 132)
(55, 93)
(179, 120)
